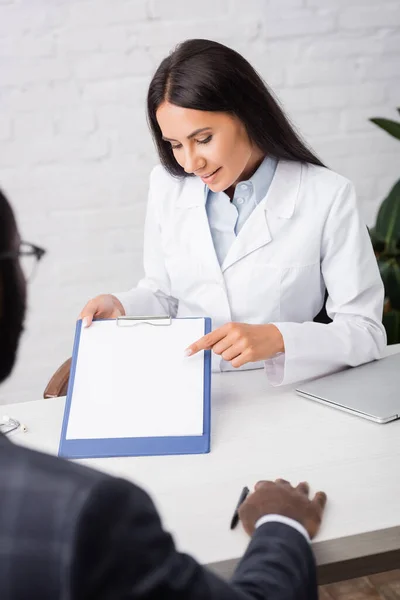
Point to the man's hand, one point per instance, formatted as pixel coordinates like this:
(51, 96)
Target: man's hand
(280, 498)
(241, 343)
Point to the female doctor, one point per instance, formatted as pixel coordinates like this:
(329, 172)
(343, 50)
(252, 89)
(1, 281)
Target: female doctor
(245, 225)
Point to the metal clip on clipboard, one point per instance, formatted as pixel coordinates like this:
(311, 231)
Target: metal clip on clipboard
(158, 321)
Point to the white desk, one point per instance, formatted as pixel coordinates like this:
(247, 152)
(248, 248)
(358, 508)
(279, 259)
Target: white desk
(260, 433)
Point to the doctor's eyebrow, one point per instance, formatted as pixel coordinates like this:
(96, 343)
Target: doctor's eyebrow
(196, 132)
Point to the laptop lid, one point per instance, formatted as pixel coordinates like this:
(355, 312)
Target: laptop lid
(371, 391)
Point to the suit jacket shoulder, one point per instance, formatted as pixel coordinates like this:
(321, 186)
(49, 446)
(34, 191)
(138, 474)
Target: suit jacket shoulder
(41, 498)
(72, 533)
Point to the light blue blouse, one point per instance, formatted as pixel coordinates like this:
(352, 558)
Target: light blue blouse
(227, 218)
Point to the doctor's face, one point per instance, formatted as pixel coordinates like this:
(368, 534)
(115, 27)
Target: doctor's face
(212, 145)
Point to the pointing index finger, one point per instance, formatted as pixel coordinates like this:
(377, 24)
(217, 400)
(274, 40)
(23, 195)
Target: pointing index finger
(206, 342)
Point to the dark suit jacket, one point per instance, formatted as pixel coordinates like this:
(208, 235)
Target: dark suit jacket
(68, 532)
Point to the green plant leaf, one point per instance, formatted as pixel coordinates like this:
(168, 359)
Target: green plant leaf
(390, 273)
(388, 219)
(391, 127)
(384, 270)
(391, 322)
(378, 242)
(395, 289)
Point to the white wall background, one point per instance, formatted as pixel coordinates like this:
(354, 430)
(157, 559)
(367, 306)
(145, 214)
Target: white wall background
(75, 152)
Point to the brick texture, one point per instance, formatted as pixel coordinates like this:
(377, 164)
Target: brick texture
(75, 152)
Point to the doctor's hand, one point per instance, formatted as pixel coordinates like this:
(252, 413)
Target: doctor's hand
(105, 306)
(241, 343)
(280, 498)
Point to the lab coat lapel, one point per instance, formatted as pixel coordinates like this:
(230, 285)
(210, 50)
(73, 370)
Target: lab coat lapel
(254, 234)
(192, 200)
(277, 206)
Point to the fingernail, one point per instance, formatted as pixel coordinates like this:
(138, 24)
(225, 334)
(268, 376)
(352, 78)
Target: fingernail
(188, 352)
(85, 322)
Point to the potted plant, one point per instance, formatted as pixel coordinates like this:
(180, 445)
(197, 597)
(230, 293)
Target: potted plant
(385, 237)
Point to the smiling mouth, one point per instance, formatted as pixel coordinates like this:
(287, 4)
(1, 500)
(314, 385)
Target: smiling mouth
(210, 174)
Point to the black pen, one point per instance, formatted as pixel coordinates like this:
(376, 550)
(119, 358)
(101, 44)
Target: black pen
(242, 498)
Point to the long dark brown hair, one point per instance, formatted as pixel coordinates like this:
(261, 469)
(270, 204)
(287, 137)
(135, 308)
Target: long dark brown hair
(206, 75)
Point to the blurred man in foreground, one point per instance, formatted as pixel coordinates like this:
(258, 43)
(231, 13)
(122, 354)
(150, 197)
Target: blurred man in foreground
(68, 532)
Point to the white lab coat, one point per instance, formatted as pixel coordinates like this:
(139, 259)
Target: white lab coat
(305, 236)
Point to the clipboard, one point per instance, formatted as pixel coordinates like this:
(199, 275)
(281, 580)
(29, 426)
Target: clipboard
(98, 424)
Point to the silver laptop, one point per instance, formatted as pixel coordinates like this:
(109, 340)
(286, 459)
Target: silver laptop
(371, 391)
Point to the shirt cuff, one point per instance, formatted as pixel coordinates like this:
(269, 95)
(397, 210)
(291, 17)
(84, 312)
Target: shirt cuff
(285, 521)
(275, 368)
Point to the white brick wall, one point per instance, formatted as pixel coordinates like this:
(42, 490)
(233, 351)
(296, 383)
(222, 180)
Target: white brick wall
(74, 148)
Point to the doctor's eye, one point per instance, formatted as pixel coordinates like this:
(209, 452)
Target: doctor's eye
(208, 139)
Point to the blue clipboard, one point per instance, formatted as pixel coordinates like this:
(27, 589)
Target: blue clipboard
(139, 446)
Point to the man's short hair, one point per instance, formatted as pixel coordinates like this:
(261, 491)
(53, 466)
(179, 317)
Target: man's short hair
(12, 291)
(7, 224)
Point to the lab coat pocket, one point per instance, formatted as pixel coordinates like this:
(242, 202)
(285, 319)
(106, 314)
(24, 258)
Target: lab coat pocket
(259, 297)
(301, 292)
